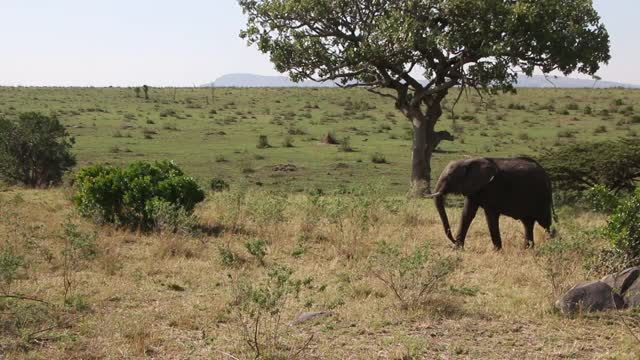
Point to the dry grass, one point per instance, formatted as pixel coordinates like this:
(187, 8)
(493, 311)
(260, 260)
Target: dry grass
(167, 297)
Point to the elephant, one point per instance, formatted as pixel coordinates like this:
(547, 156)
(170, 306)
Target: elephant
(516, 187)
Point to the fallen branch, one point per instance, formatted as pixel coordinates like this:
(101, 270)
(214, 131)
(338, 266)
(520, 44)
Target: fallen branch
(27, 298)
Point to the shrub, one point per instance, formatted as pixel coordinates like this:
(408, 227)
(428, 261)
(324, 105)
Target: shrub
(561, 259)
(602, 199)
(345, 144)
(330, 138)
(524, 136)
(296, 131)
(267, 208)
(567, 133)
(218, 185)
(129, 196)
(257, 248)
(227, 256)
(259, 306)
(573, 106)
(623, 228)
(35, 150)
(168, 217)
(168, 112)
(600, 129)
(263, 142)
(411, 276)
(10, 263)
(378, 158)
(287, 142)
(580, 166)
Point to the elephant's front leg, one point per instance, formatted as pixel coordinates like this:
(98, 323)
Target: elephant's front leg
(468, 213)
(493, 221)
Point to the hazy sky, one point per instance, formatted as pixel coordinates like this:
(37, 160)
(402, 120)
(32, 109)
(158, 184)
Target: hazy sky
(181, 42)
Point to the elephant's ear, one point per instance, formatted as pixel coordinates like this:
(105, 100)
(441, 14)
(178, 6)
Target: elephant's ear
(479, 173)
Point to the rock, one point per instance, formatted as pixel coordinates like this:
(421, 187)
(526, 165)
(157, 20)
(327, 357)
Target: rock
(304, 317)
(632, 295)
(590, 296)
(621, 281)
(627, 284)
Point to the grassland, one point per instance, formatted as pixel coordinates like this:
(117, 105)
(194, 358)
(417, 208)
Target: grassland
(216, 133)
(116, 294)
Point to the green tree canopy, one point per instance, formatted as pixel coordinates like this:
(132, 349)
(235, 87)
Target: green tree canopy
(35, 150)
(580, 166)
(378, 44)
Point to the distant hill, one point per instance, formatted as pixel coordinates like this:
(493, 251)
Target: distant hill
(536, 81)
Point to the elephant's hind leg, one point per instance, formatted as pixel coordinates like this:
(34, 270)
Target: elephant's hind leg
(528, 232)
(545, 222)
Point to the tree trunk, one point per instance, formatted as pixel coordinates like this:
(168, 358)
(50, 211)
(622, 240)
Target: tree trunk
(423, 147)
(420, 168)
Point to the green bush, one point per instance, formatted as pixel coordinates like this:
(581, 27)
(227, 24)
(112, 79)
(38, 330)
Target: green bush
(378, 158)
(34, 150)
(623, 227)
(129, 196)
(580, 166)
(602, 199)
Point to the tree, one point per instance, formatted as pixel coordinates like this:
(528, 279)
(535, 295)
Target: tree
(580, 166)
(34, 150)
(381, 44)
(137, 91)
(145, 88)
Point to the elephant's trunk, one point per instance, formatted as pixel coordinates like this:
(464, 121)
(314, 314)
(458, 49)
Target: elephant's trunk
(439, 200)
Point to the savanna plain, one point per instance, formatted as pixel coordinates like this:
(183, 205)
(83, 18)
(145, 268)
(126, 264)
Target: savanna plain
(308, 225)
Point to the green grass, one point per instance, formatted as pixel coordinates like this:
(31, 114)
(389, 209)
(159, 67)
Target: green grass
(196, 130)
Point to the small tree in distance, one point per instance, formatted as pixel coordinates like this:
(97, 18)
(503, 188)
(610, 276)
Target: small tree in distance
(137, 91)
(145, 88)
(381, 44)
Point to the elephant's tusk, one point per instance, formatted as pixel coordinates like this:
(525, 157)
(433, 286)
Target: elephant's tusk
(433, 195)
